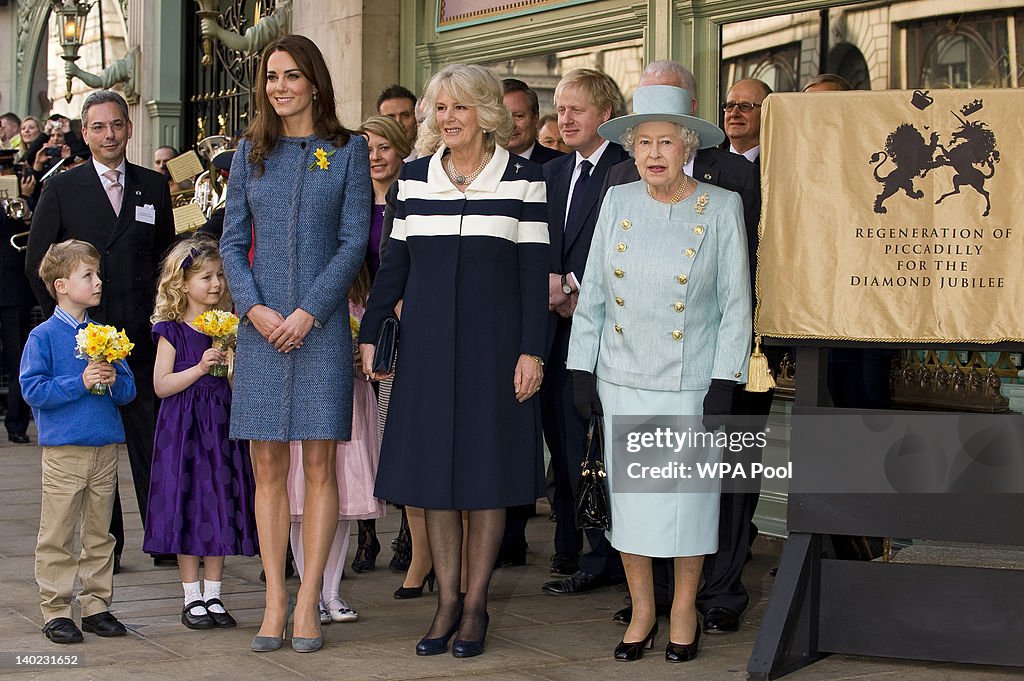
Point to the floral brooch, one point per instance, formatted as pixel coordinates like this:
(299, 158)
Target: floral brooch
(321, 161)
(701, 202)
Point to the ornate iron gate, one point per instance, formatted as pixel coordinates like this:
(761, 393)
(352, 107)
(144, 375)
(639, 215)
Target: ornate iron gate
(218, 99)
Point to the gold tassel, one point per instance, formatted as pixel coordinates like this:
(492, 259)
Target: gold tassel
(759, 376)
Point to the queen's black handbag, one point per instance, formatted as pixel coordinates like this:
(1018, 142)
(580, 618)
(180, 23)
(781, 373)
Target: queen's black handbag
(593, 510)
(387, 347)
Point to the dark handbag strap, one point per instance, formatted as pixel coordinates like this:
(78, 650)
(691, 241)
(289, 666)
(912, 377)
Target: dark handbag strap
(593, 450)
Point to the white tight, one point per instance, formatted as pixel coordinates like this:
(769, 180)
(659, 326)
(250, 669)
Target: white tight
(331, 585)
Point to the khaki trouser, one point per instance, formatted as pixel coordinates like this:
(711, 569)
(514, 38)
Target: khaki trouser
(78, 489)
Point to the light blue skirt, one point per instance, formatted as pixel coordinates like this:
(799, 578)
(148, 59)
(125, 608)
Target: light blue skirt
(659, 524)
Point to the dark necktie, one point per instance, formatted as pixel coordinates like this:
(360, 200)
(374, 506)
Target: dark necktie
(572, 220)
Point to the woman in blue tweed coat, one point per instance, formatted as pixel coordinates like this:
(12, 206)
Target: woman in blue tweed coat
(468, 255)
(300, 189)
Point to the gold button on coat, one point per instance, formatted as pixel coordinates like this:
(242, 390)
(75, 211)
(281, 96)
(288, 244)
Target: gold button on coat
(618, 272)
(618, 329)
(619, 301)
(739, 374)
(626, 224)
(621, 247)
(679, 306)
(681, 279)
(698, 230)
(677, 334)
(690, 252)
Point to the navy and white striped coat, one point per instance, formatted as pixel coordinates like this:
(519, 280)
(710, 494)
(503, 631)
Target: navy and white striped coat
(471, 269)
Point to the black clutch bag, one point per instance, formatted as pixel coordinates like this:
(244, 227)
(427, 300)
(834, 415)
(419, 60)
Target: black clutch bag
(593, 511)
(387, 347)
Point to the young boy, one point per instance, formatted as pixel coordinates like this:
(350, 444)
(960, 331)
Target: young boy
(79, 432)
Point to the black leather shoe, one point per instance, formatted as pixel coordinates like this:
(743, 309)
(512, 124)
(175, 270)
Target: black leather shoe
(624, 616)
(221, 620)
(564, 564)
(165, 560)
(62, 630)
(103, 624)
(579, 583)
(721, 621)
(675, 652)
(466, 648)
(630, 652)
(19, 439)
(191, 621)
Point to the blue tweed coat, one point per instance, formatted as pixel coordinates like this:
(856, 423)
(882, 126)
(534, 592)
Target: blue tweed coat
(471, 269)
(310, 229)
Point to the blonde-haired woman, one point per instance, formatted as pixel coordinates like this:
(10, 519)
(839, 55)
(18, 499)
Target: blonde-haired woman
(469, 254)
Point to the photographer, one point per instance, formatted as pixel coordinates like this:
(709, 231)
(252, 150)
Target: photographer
(54, 149)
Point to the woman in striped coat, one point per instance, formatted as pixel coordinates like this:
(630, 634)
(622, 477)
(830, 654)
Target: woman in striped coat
(468, 254)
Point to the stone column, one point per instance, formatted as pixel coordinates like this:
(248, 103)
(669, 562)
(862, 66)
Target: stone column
(360, 42)
(156, 27)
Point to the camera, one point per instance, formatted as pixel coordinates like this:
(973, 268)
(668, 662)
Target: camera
(53, 152)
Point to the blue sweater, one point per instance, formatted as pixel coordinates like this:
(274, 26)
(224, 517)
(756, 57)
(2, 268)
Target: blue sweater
(66, 412)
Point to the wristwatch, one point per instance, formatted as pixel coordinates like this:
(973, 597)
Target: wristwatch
(566, 288)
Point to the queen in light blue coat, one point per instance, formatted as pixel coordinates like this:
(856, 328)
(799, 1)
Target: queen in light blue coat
(663, 328)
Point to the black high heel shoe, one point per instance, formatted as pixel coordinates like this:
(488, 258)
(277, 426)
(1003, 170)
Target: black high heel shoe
(404, 592)
(464, 648)
(365, 559)
(675, 652)
(438, 645)
(630, 652)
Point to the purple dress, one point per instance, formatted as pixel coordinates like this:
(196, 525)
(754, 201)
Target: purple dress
(201, 491)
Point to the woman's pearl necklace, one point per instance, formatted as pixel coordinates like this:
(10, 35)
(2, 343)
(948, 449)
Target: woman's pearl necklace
(458, 178)
(678, 196)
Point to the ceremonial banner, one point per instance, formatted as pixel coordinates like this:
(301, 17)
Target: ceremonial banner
(892, 216)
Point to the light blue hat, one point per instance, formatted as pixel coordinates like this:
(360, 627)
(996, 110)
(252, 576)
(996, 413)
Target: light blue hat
(663, 103)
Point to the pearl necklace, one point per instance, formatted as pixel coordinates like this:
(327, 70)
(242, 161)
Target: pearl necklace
(458, 178)
(677, 196)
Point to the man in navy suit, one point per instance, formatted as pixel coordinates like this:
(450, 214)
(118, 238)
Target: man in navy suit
(722, 597)
(522, 103)
(124, 210)
(584, 99)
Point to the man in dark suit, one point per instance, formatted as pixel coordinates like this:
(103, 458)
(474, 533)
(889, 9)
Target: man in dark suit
(124, 210)
(722, 597)
(584, 99)
(522, 103)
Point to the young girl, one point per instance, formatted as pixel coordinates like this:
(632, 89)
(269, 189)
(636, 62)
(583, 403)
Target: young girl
(356, 464)
(201, 491)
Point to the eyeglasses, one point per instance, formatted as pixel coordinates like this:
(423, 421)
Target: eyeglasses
(99, 128)
(744, 107)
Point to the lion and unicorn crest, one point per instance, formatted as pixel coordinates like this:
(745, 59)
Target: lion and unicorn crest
(971, 152)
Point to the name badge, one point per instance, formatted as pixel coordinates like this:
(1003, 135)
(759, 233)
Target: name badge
(146, 214)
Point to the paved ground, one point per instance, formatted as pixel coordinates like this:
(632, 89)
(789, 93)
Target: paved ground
(533, 635)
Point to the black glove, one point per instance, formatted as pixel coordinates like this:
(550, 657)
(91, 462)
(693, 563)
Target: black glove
(718, 403)
(584, 394)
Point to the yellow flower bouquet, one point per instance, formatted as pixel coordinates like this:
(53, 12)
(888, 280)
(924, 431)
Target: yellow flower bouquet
(222, 326)
(102, 343)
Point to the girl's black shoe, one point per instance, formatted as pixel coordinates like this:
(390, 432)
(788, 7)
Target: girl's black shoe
(629, 652)
(203, 621)
(221, 620)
